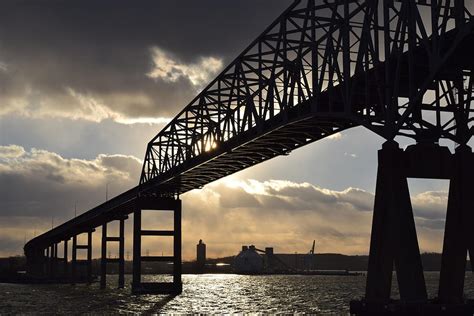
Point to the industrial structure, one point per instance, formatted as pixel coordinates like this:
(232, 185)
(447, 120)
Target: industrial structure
(400, 68)
(200, 256)
(252, 260)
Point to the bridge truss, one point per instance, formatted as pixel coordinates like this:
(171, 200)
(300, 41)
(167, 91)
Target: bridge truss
(401, 68)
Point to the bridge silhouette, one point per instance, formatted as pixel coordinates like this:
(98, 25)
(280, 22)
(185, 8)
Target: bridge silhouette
(400, 68)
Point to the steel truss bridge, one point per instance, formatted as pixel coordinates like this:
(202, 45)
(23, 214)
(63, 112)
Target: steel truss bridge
(401, 68)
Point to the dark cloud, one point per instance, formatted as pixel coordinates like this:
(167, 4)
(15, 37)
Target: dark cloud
(43, 184)
(89, 59)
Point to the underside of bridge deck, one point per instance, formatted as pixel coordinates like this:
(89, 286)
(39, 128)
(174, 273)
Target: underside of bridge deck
(400, 68)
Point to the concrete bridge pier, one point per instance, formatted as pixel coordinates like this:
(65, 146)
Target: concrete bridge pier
(65, 258)
(458, 233)
(394, 239)
(53, 261)
(36, 263)
(120, 260)
(154, 203)
(87, 276)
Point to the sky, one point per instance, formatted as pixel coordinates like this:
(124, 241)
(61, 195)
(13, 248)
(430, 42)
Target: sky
(84, 85)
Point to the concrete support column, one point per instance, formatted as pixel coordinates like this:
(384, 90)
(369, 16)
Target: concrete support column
(51, 261)
(458, 234)
(89, 256)
(137, 244)
(103, 259)
(121, 276)
(35, 262)
(47, 266)
(393, 238)
(157, 204)
(121, 259)
(177, 248)
(74, 260)
(65, 263)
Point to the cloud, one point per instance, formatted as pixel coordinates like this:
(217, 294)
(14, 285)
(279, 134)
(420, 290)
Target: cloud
(170, 70)
(42, 183)
(82, 68)
(336, 136)
(37, 185)
(11, 151)
(431, 204)
(3, 67)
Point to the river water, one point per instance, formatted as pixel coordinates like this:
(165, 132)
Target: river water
(207, 293)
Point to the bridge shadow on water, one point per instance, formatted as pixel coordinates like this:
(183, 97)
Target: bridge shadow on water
(158, 306)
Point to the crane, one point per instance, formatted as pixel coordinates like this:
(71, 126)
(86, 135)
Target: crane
(311, 252)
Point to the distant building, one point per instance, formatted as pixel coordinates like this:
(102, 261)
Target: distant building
(254, 260)
(248, 261)
(201, 255)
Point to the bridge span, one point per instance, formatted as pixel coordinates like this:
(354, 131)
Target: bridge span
(400, 68)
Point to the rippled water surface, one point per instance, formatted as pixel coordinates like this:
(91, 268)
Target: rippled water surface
(208, 293)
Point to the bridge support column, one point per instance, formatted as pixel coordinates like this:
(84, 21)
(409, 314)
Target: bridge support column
(103, 259)
(157, 204)
(89, 257)
(74, 260)
(54, 261)
(393, 238)
(36, 262)
(76, 274)
(121, 276)
(458, 233)
(50, 261)
(121, 259)
(65, 262)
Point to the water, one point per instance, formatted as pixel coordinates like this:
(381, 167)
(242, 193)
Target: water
(208, 293)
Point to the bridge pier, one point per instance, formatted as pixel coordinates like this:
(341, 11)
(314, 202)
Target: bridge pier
(53, 261)
(87, 262)
(394, 240)
(157, 204)
(458, 233)
(393, 237)
(65, 259)
(36, 262)
(121, 259)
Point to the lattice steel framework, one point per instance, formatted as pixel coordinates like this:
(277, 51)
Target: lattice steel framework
(399, 68)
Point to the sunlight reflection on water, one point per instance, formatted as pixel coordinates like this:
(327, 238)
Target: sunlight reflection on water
(208, 293)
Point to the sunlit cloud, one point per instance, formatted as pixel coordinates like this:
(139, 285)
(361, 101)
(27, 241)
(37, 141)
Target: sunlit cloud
(335, 136)
(76, 105)
(11, 151)
(170, 70)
